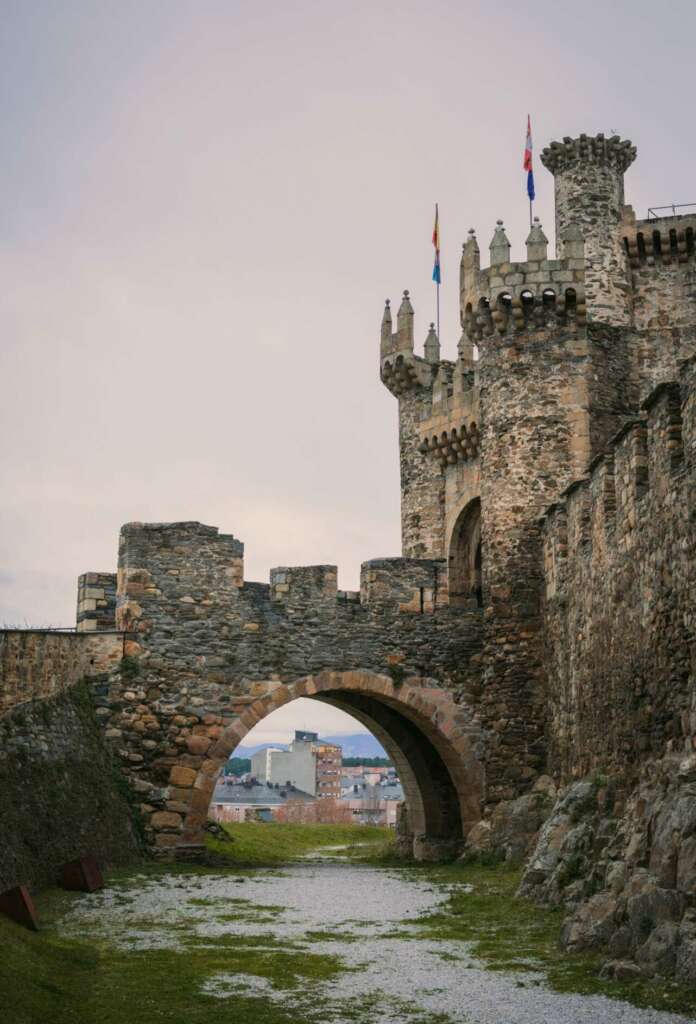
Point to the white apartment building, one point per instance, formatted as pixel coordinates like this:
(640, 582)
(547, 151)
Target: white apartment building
(310, 764)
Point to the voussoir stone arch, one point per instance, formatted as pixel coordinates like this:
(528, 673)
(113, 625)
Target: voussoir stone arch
(432, 740)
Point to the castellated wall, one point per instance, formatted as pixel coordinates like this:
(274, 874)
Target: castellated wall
(210, 648)
(662, 257)
(62, 791)
(620, 596)
(183, 595)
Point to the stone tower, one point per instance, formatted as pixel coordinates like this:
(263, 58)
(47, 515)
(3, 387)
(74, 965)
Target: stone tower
(553, 360)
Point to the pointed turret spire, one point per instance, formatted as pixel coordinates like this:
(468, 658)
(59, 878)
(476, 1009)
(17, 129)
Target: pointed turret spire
(404, 322)
(432, 346)
(500, 246)
(470, 250)
(469, 270)
(537, 242)
(386, 322)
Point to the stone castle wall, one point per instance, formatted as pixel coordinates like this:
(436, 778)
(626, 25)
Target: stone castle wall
(35, 664)
(619, 617)
(182, 594)
(662, 257)
(209, 651)
(63, 794)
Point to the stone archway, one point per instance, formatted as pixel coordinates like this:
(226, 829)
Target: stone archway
(430, 738)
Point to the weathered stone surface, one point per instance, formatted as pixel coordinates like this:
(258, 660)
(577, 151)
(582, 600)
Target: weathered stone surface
(592, 925)
(61, 794)
(198, 744)
(512, 829)
(182, 777)
(166, 820)
(643, 909)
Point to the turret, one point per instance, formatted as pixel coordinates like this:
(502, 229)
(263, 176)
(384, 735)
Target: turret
(500, 245)
(537, 243)
(589, 192)
(404, 324)
(432, 347)
(386, 334)
(402, 340)
(469, 272)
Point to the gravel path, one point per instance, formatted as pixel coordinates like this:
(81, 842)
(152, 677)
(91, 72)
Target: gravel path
(397, 980)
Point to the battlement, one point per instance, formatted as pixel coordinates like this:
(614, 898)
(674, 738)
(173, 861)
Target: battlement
(451, 434)
(659, 241)
(614, 152)
(400, 369)
(96, 601)
(304, 585)
(189, 570)
(417, 585)
(166, 561)
(447, 424)
(637, 480)
(536, 294)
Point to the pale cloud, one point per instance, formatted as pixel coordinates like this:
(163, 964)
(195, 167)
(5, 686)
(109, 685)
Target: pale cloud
(279, 726)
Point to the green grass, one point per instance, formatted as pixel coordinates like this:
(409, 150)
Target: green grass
(511, 934)
(259, 844)
(45, 979)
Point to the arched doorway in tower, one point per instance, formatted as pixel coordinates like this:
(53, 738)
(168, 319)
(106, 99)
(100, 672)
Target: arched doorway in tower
(465, 580)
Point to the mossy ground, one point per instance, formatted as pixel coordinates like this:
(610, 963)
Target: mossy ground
(45, 979)
(48, 978)
(259, 844)
(511, 934)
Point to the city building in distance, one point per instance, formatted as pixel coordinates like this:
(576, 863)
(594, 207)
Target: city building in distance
(310, 764)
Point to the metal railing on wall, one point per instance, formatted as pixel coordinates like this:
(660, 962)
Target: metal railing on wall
(655, 212)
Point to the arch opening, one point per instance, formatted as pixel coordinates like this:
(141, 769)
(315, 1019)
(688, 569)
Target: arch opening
(465, 558)
(419, 725)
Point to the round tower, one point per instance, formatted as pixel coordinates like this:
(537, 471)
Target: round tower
(589, 193)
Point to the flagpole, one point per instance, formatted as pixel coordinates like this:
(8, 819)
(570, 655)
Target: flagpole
(436, 268)
(530, 213)
(438, 310)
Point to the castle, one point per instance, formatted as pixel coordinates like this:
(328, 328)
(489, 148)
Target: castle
(558, 434)
(539, 626)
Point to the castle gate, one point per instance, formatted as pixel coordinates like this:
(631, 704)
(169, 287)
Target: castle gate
(420, 726)
(209, 655)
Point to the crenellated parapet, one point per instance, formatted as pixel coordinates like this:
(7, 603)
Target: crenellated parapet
(451, 434)
(401, 370)
(536, 294)
(614, 154)
(662, 257)
(445, 388)
(662, 241)
(191, 572)
(96, 601)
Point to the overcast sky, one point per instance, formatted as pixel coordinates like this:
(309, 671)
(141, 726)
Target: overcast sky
(280, 725)
(204, 206)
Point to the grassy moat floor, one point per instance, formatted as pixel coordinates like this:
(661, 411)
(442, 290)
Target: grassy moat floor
(312, 941)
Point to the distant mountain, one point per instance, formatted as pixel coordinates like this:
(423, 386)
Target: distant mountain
(358, 744)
